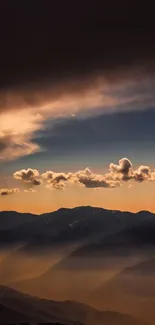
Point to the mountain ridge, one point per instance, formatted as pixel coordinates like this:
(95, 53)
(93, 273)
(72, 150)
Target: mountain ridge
(74, 208)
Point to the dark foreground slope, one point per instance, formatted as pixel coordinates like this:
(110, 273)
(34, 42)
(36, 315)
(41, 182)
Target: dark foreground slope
(17, 307)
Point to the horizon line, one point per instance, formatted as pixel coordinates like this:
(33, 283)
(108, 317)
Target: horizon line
(75, 207)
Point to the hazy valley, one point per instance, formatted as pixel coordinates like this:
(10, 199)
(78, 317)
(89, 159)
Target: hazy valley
(96, 257)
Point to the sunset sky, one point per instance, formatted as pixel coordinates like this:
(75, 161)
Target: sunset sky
(77, 109)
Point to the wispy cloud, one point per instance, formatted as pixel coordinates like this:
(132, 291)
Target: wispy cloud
(16, 132)
(22, 113)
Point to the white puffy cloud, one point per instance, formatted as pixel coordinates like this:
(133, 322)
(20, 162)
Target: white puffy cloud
(30, 176)
(118, 173)
(122, 171)
(84, 177)
(143, 173)
(55, 180)
(91, 180)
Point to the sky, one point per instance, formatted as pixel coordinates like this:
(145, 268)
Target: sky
(77, 106)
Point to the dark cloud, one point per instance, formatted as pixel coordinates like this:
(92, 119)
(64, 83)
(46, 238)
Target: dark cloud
(58, 58)
(66, 39)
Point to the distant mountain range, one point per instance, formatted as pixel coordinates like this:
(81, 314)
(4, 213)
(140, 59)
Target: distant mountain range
(11, 219)
(79, 224)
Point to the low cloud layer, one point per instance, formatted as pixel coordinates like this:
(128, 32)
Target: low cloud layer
(118, 173)
(7, 191)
